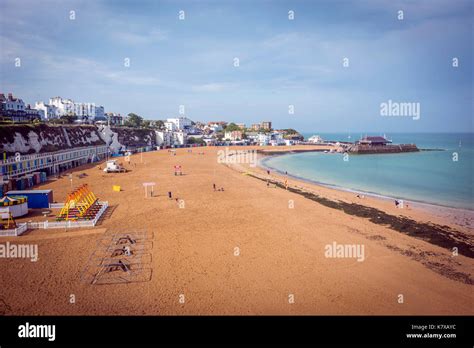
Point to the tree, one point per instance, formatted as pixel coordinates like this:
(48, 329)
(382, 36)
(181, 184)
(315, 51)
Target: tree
(67, 119)
(292, 134)
(134, 120)
(192, 140)
(232, 127)
(160, 124)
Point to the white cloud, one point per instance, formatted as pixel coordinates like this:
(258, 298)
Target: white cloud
(155, 35)
(128, 77)
(212, 87)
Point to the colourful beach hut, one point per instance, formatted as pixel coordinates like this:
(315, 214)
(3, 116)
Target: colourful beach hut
(14, 205)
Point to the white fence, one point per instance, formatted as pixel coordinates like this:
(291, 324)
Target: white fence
(70, 223)
(56, 205)
(14, 232)
(60, 224)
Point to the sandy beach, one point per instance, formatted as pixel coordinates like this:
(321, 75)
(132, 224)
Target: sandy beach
(249, 247)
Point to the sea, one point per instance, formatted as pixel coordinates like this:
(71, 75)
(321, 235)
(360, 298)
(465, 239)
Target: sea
(441, 174)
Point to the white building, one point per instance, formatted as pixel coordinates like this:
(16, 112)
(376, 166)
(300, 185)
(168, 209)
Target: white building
(179, 138)
(170, 126)
(233, 136)
(215, 127)
(276, 139)
(316, 139)
(252, 136)
(63, 106)
(167, 138)
(263, 139)
(163, 138)
(114, 119)
(181, 123)
(88, 111)
(273, 139)
(85, 111)
(48, 112)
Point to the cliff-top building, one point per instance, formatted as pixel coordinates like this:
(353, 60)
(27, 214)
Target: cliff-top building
(14, 109)
(47, 111)
(84, 111)
(179, 123)
(12, 103)
(115, 119)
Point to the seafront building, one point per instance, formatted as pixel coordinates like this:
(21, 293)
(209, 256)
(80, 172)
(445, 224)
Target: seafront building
(233, 136)
(274, 139)
(85, 111)
(215, 126)
(14, 109)
(12, 103)
(115, 119)
(179, 123)
(316, 139)
(374, 141)
(263, 139)
(168, 138)
(51, 162)
(378, 144)
(63, 106)
(48, 112)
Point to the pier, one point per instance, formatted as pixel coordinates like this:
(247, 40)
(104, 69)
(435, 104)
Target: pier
(377, 144)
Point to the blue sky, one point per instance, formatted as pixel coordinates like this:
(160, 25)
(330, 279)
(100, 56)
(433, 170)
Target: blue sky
(190, 62)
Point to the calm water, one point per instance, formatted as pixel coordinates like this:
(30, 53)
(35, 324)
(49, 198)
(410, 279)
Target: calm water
(426, 176)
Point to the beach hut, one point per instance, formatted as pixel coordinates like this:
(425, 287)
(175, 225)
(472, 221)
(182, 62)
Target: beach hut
(36, 198)
(14, 205)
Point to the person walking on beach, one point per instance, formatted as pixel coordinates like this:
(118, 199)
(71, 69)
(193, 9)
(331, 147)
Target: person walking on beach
(214, 186)
(268, 183)
(268, 172)
(170, 196)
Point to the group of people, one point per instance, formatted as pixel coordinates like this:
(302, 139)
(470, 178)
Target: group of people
(217, 189)
(285, 182)
(400, 204)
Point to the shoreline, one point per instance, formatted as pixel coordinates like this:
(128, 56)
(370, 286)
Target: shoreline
(400, 224)
(427, 206)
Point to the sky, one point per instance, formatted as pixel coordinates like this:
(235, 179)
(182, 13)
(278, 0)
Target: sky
(81, 55)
